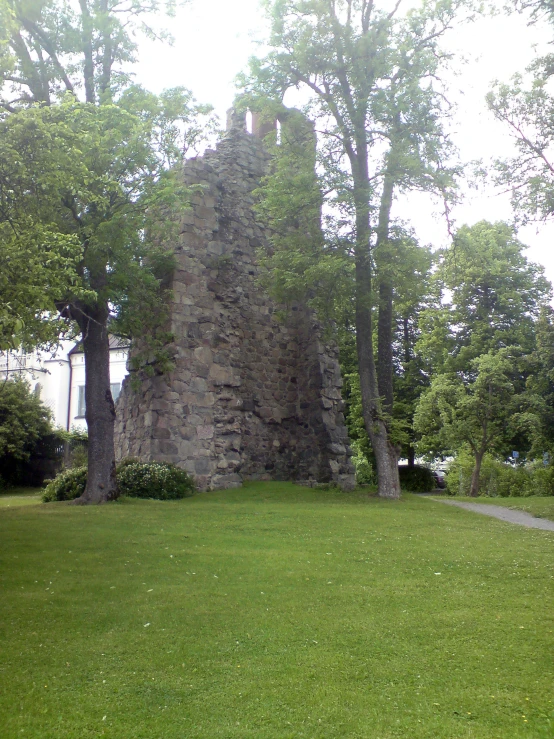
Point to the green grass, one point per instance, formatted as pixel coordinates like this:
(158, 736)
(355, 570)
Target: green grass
(540, 506)
(274, 612)
(20, 497)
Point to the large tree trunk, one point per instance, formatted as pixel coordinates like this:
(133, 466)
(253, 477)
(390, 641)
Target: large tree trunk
(474, 489)
(386, 457)
(384, 268)
(100, 410)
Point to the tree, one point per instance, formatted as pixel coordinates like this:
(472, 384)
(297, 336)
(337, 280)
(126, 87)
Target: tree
(490, 297)
(479, 409)
(116, 195)
(97, 182)
(372, 76)
(540, 378)
(36, 268)
(525, 106)
(24, 422)
(412, 296)
(527, 110)
(538, 8)
(51, 47)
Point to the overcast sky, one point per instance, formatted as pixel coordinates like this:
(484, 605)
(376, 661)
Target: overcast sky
(215, 38)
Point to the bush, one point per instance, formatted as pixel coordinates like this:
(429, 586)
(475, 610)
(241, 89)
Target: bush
(416, 479)
(541, 481)
(364, 470)
(498, 479)
(68, 485)
(158, 480)
(26, 435)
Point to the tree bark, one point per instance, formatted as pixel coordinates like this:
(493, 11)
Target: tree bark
(107, 55)
(88, 65)
(386, 456)
(384, 324)
(386, 290)
(100, 410)
(474, 489)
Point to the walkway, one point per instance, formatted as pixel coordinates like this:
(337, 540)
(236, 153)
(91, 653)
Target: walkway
(504, 514)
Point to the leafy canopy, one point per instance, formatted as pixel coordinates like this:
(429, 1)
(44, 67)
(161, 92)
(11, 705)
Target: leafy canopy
(88, 191)
(489, 297)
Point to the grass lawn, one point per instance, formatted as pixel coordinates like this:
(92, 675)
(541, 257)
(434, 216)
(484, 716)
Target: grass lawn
(535, 505)
(20, 496)
(274, 612)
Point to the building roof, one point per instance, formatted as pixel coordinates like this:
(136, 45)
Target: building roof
(114, 342)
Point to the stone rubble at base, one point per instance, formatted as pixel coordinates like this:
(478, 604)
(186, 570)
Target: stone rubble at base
(252, 396)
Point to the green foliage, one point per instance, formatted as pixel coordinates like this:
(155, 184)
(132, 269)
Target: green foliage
(354, 414)
(526, 108)
(97, 183)
(479, 409)
(416, 479)
(491, 294)
(365, 474)
(50, 47)
(157, 480)
(301, 264)
(498, 479)
(77, 441)
(92, 195)
(542, 482)
(96, 174)
(540, 378)
(25, 425)
(68, 485)
(38, 264)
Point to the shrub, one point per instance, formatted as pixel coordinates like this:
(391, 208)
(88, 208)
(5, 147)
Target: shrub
(78, 456)
(158, 480)
(416, 479)
(498, 479)
(68, 485)
(364, 470)
(26, 435)
(541, 481)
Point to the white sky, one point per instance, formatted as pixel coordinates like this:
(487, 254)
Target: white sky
(215, 38)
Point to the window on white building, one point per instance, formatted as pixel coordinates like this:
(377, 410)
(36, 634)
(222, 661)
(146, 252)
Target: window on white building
(81, 404)
(115, 388)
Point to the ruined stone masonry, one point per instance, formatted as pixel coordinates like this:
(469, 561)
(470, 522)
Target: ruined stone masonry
(252, 395)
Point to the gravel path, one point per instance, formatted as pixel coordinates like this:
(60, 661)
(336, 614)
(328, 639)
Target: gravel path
(504, 514)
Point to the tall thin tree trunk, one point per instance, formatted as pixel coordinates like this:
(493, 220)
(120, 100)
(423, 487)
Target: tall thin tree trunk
(386, 456)
(474, 489)
(107, 55)
(385, 321)
(410, 453)
(88, 66)
(100, 410)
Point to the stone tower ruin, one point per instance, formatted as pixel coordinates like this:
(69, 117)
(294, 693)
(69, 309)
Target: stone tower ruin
(252, 395)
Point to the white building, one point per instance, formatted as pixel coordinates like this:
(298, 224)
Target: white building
(59, 380)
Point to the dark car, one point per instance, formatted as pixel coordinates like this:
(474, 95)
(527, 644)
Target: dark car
(439, 477)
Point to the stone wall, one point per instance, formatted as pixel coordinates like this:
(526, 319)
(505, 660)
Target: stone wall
(252, 395)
